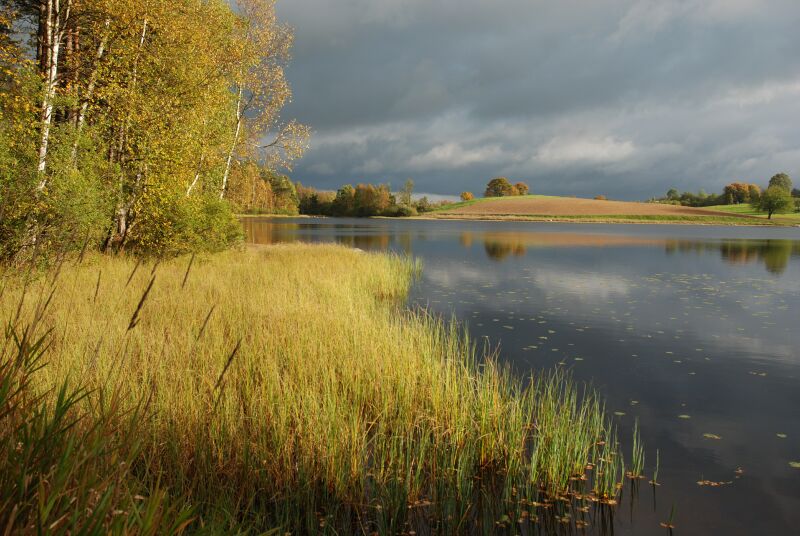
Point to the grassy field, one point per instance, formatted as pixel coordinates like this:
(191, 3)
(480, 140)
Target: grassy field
(612, 218)
(747, 210)
(578, 210)
(283, 387)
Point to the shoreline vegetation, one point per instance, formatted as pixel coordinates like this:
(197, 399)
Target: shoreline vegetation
(147, 397)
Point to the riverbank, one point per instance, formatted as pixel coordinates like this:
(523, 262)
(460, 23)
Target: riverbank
(283, 386)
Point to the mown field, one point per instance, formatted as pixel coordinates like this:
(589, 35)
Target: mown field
(552, 208)
(747, 210)
(284, 388)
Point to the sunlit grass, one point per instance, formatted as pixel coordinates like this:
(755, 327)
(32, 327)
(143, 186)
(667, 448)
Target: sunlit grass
(288, 387)
(745, 209)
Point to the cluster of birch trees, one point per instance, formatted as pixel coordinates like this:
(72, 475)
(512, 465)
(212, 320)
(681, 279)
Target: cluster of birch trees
(122, 121)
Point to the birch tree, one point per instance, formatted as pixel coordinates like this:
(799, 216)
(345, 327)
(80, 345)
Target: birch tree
(262, 91)
(56, 14)
(141, 110)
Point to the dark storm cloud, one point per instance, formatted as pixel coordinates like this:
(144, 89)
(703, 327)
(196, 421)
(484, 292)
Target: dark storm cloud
(625, 98)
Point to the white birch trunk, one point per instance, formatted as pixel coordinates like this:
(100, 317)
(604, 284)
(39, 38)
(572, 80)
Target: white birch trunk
(233, 145)
(196, 176)
(53, 35)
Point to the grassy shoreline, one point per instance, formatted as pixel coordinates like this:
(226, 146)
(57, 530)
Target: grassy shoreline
(265, 390)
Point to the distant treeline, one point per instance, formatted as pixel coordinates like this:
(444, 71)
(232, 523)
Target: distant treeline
(735, 193)
(363, 201)
(259, 190)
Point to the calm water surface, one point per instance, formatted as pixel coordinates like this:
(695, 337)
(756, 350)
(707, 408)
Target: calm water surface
(694, 331)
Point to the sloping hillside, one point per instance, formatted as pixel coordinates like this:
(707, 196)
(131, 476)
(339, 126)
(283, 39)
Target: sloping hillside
(537, 207)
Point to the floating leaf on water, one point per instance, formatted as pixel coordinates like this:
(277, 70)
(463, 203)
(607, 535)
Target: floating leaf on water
(684, 416)
(794, 465)
(712, 436)
(782, 436)
(619, 413)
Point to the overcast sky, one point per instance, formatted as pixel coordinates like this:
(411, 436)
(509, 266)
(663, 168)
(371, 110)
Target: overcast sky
(579, 97)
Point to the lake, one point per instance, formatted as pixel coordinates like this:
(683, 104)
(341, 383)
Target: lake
(692, 330)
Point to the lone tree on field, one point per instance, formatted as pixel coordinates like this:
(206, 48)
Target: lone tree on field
(499, 187)
(522, 188)
(775, 200)
(781, 180)
(467, 196)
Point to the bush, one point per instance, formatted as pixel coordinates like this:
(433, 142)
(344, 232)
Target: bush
(522, 188)
(423, 205)
(600, 198)
(400, 211)
(467, 196)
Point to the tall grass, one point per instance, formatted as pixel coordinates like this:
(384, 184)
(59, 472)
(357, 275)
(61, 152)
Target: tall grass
(288, 387)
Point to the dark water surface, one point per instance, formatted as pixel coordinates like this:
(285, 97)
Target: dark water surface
(695, 331)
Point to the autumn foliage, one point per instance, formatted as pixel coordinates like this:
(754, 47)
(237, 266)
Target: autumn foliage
(501, 187)
(740, 192)
(127, 124)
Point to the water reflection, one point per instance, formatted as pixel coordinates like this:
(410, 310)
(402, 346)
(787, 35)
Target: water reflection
(774, 254)
(500, 246)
